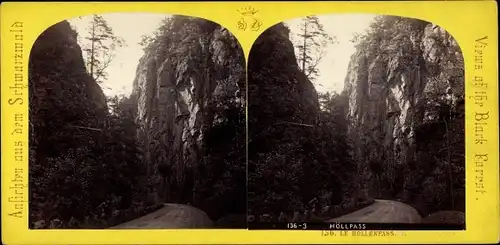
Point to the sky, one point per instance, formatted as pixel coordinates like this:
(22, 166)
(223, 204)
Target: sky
(333, 67)
(131, 27)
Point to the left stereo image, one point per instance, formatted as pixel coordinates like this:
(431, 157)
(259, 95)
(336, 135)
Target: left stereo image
(137, 121)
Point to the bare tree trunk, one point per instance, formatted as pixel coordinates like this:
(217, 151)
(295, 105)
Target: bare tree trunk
(92, 49)
(304, 47)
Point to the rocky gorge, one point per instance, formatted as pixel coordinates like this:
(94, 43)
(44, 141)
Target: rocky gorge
(396, 131)
(178, 138)
(405, 91)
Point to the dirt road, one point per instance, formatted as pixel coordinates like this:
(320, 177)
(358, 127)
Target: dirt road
(382, 211)
(171, 216)
(184, 216)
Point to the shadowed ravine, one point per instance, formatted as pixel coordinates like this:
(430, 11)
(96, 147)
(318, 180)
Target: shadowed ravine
(184, 216)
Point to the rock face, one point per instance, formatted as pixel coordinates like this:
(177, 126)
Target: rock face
(67, 112)
(281, 103)
(59, 85)
(186, 82)
(398, 80)
(279, 92)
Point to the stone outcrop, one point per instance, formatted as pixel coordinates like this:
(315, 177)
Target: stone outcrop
(67, 111)
(62, 95)
(187, 80)
(279, 92)
(282, 106)
(392, 86)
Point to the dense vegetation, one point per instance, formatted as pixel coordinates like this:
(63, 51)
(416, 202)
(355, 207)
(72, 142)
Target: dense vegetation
(85, 165)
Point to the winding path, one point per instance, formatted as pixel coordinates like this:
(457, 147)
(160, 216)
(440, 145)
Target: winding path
(382, 211)
(171, 216)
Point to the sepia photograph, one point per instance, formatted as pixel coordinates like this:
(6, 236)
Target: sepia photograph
(137, 121)
(356, 118)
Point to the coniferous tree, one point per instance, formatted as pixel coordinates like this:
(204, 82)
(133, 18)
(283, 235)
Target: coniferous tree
(311, 42)
(99, 47)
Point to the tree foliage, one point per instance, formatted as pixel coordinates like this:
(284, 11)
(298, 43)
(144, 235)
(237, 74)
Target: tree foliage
(311, 41)
(148, 40)
(99, 46)
(306, 164)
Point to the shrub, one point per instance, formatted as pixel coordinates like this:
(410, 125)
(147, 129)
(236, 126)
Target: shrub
(445, 217)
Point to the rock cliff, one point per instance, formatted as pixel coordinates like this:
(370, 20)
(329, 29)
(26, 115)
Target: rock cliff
(62, 95)
(282, 107)
(406, 74)
(279, 92)
(83, 165)
(190, 83)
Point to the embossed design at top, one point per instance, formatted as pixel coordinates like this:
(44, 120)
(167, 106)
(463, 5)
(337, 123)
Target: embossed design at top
(248, 20)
